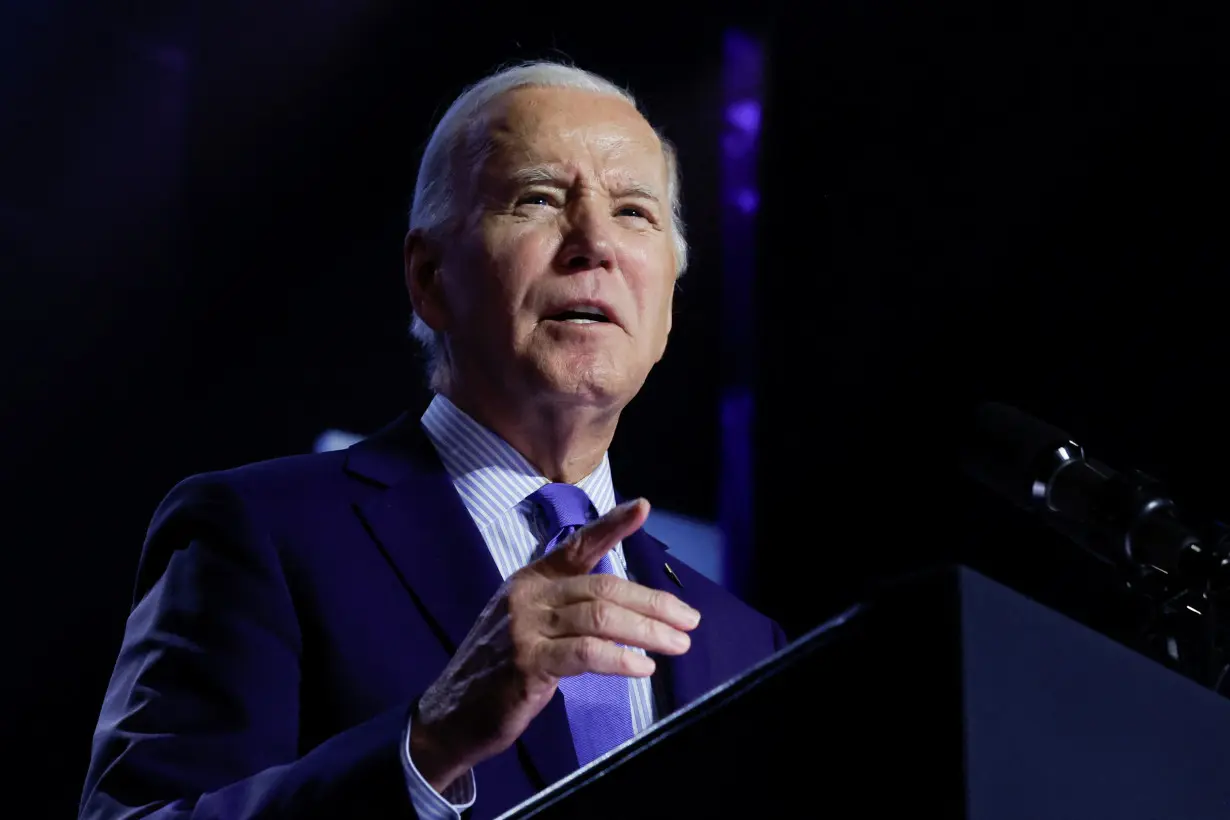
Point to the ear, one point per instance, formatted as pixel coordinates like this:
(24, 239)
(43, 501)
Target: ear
(422, 270)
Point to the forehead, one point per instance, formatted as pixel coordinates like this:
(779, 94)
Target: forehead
(574, 129)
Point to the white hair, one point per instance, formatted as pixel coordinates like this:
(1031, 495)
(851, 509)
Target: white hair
(452, 149)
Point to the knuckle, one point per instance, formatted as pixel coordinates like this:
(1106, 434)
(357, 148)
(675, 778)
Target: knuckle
(605, 586)
(655, 631)
(601, 615)
(659, 600)
(588, 650)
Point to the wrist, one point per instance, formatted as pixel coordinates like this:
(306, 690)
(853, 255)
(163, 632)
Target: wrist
(438, 765)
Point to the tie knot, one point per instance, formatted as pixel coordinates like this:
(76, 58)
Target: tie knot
(563, 505)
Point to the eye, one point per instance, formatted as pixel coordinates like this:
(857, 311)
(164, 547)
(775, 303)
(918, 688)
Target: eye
(633, 211)
(538, 199)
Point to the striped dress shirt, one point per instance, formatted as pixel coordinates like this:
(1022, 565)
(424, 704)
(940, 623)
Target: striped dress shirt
(495, 482)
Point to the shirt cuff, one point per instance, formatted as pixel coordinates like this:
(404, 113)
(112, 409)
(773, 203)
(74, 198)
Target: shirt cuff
(430, 804)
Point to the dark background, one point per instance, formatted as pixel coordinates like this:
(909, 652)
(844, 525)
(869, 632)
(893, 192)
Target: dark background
(201, 212)
(984, 202)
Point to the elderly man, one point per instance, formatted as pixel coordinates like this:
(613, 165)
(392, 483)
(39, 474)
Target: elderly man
(454, 613)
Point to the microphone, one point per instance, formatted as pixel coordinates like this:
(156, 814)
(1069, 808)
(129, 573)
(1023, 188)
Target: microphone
(1123, 518)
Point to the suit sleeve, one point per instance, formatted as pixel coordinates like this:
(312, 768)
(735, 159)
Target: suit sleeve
(201, 716)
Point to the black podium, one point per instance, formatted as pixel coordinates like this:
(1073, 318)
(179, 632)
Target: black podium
(950, 696)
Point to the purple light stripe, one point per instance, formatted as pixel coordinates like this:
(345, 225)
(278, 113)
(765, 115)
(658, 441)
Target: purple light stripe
(742, 78)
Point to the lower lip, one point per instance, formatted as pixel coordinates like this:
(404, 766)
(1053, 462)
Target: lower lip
(582, 324)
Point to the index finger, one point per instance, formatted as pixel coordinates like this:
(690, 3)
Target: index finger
(582, 550)
(653, 603)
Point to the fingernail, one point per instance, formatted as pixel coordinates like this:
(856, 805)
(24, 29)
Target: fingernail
(691, 616)
(627, 505)
(645, 666)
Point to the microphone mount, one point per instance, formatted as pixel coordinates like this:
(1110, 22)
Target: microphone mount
(1128, 518)
(1179, 570)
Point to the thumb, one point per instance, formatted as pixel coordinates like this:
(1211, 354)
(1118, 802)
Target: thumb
(582, 550)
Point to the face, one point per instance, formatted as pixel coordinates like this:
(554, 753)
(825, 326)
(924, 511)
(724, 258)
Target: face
(559, 285)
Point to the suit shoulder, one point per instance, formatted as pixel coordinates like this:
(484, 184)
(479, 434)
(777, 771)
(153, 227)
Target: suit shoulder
(289, 477)
(232, 504)
(276, 474)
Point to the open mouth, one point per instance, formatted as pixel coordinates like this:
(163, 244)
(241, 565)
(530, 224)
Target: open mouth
(581, 315)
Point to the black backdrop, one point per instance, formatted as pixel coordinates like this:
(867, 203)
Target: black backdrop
(968, 202)
(201, 209)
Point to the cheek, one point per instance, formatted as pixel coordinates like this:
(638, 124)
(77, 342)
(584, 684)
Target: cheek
(653, 283)
(515, 260)
(495, 273)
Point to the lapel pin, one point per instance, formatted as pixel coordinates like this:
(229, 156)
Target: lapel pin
(670, 573)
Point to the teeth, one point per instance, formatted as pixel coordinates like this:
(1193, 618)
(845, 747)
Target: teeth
(596, 311)
(581, 321)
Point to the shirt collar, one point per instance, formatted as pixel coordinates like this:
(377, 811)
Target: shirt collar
(491, 477)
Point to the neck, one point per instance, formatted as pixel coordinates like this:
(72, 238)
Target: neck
(565, 442)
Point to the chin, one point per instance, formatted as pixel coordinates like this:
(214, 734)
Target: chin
(588, 383)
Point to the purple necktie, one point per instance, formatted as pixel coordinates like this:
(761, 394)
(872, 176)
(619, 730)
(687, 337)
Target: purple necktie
(599, 708)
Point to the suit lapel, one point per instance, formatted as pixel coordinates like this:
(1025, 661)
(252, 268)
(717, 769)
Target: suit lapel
(428, 537)
(424, 530)
(679, 679)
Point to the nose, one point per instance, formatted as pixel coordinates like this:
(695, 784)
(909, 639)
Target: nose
(588, 240)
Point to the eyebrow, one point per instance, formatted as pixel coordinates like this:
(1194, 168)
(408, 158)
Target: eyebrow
(634, 189)
(547, 175)
(537, 175)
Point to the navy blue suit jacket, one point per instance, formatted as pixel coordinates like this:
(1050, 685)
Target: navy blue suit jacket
(288, 614)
